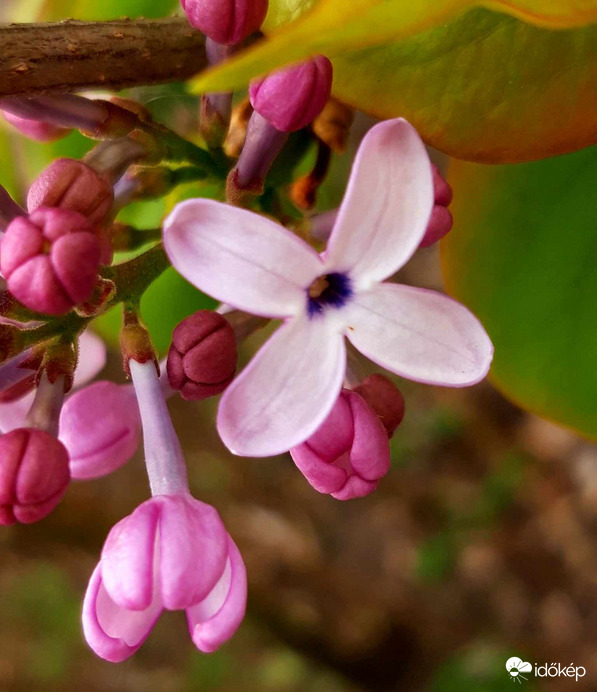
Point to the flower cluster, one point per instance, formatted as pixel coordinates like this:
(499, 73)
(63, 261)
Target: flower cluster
(310, 390)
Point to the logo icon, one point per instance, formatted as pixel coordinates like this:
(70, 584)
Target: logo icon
(516, 667)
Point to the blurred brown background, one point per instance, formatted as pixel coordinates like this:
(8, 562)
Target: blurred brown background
(478, 546)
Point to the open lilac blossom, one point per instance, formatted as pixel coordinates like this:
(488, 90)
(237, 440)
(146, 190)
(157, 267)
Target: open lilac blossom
(256, 265)
(173, 552)
(348, 453)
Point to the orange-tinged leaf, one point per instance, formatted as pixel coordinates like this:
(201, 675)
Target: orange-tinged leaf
(334, 26)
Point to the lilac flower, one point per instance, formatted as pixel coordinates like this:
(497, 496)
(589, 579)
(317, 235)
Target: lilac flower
(254, 264)
(173, 552)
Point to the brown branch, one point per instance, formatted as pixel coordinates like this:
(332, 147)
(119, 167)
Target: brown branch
(72, 55)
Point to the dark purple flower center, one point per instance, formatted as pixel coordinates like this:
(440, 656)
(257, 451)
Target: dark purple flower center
(330, 290)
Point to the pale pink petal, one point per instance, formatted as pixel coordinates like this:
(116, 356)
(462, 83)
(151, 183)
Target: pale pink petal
(193, 550)
(286, 391)
(92, 357)
(13, 413)
(419, 334)
(240, 258)
(128, 558)
(101, 428)
(114, 633)
(386, 207)
(213, 621)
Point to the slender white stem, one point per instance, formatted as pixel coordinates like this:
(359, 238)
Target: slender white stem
(11, 373)
(163, 454)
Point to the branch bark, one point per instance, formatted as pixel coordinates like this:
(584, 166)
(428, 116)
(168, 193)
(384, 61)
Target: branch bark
(72, 55)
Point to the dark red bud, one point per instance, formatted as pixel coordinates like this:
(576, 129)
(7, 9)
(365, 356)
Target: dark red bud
(385, 399)
(34, 475)
(203, 356)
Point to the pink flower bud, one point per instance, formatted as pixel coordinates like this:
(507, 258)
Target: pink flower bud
(202, 358)
(225, 21)
(35, 129)
(385, 399)
(441, 220)
(173, 552)
(100, 426)
(72, 184)
(34, 475)
(349, 453)
(50, 260)
(293, 97)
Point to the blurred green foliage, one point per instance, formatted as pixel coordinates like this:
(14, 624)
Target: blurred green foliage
(521, 256)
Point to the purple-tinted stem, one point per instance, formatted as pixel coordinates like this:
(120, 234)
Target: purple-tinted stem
(9, 209)
(11, 373)
(163, 454)
(220, 102)
(262, 144)
(66, 110)
(44, 414)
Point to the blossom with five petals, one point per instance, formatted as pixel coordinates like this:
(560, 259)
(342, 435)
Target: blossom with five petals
(256, 265)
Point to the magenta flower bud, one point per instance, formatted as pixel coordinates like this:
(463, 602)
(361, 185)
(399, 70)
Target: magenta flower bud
(35, 129)
(385, 399)
(72, 184)
(225, 21)
(50, 260)
(293, 97)
(100, 426)
(173, 552)
(34, 475)
(202, 358)
(349, 453)
(441, 220)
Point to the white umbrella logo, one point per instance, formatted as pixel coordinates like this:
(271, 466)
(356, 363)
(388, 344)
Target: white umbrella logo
(516, 666)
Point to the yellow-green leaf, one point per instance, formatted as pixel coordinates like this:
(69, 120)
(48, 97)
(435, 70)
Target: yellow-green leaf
(522, 257)
(485, 87)
(335, 26)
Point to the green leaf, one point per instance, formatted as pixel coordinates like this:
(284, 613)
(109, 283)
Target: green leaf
(522, 257)
(484, 87)
(54, 10)
(333, 27)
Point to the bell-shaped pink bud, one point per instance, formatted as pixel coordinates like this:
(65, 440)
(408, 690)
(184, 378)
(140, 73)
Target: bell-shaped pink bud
(35, 129)
(291, 98)
(441, 220)
(349, 453)
(385, 399)
(173, 552)
(50, 260)
(72, 184)
(202, 358)
(225, 21)
(34, 475)
(100, 426)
